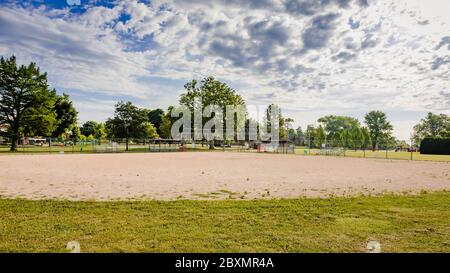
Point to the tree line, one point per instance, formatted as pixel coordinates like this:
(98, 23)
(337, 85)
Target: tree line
(29, 107)
(374, 133)
(348, 132)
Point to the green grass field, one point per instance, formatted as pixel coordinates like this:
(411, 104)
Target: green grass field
(381, 155)
(88, 148)
(47, 149)
(401, 223)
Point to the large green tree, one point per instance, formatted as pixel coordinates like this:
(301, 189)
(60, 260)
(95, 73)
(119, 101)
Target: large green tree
(41, 120)
(357, 138)
(165, 127)
(155, 117)
(210, 92)
(319, 137)
(366, 141)
(66, 115)
(26, 102)
(334, 125)
(76, 133)
(129, 121)
(89, 128)
(432, 125)
(346, 138)
(380, 129)
(94, 129)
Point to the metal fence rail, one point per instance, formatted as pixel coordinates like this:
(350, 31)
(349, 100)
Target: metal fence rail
(377, 154)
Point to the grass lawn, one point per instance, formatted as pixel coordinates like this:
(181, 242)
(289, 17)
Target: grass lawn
(401, 223)
(86, 148)
(381, 154)
(47, 149)
(89, 148)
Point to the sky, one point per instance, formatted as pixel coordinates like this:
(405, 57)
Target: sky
(312, 57)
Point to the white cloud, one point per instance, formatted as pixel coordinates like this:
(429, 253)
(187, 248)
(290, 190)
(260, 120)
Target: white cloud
(322, 57)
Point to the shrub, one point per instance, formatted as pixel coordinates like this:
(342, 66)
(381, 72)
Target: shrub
(437, 146)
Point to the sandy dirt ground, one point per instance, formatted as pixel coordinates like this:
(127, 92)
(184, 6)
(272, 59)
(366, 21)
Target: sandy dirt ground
(206, 175)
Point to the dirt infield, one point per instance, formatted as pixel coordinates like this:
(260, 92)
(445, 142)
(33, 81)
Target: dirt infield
(210, 175)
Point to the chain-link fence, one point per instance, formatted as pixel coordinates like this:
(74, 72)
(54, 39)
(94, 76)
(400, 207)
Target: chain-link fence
(398, 150)
(117, 145)
(58, 145)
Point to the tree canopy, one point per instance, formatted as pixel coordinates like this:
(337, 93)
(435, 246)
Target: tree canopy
(165, 127)
(336, 124)
(129, 121)
(155, 117)
(210, 92)
(28, 106)
(435, 126)
(94, 129)
(66, 114)
(380, 129)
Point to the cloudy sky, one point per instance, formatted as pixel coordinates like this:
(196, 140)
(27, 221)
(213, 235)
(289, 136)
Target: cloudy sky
(312, 57)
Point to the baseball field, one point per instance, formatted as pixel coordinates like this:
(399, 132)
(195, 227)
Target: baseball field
(222, 202)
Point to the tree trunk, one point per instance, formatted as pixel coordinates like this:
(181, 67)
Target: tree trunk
(14, 143)
(15, 136)
(126, 149)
